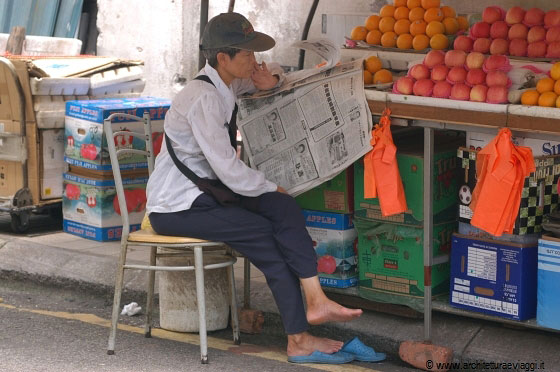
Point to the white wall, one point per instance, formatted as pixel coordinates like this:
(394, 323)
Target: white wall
(165, 33)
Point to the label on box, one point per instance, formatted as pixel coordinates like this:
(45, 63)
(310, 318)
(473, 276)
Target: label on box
(328, 220)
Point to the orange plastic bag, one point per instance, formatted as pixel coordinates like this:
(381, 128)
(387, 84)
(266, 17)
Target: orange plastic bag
(381, 172)
(501, 169)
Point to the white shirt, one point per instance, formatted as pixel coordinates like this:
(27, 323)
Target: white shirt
(196, 123)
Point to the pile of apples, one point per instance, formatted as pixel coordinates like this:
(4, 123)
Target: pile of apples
(458, 75)
(532, 33)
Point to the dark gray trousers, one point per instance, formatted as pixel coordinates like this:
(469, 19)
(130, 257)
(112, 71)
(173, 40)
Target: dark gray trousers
(273, 238)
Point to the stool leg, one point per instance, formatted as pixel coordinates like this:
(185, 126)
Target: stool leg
(117, 299)
(246, 283)
(233, 298)
(199, 276)
(150, 296)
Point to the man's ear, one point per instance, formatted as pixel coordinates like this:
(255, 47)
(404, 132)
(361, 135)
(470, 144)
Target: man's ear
(222, 58)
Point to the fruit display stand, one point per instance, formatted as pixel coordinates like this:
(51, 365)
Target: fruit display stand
(19, 149)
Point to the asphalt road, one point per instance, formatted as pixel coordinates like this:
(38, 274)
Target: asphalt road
(54, 329)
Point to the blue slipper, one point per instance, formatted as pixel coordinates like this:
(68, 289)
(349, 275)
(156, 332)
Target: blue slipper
(323, 358)
(362, 352)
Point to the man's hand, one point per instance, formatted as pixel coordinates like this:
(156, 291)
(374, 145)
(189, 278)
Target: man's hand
(262, 78)
(281, 189)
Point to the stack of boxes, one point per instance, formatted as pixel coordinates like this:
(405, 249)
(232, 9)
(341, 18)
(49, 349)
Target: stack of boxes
(328, 214)
(90, 205)
(390, 249)
(498, 275)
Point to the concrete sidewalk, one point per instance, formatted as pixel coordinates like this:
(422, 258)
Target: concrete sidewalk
(62, 257)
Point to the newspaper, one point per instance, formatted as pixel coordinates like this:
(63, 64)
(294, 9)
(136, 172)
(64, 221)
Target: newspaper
(312, 127)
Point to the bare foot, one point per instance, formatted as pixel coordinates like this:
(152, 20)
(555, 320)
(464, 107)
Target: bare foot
(330, 311)
(305, 344)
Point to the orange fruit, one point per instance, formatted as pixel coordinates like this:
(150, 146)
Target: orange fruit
(463, 23)
(439, 41)
(374, 37)
(448, 12)
(428, 4)
(372, 22)
(420, 42)
(416, 14)
(530, 97)
(433, 14)
(410, 4)
(557, 87)
(451, 26)
(434, 27)
(545, 85)
(401, 13)
(558, 102)
(373, 64)
(555, 71)
(386, 24)
(548, 99)
(389, 39)
(398, 3)
(358, 33)
(368, 77)
(418, 28)
(402, 26)
(382, 76)
(404, 41)
(387, 11)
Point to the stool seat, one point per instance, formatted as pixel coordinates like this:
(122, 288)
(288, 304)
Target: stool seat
(148, 235)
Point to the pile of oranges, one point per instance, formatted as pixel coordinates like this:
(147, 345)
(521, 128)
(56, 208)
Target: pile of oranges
(547, 92)
(411, 24)
(374, 73)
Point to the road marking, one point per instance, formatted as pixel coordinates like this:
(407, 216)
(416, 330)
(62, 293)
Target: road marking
(192, 338)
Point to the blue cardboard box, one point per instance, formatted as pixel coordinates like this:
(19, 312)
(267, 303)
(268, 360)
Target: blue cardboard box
(335, 242)
(90, 206)
(494, 277)
(548, 287)
(84, 138)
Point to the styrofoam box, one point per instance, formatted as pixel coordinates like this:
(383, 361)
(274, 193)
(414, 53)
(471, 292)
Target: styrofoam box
(539, 147)
(53, 164)
(45, 45)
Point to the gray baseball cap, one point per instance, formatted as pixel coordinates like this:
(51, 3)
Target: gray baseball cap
(232, 30)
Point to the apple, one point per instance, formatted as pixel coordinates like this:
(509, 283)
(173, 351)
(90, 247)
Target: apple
(478, 93)
(536, 33)
(480, 29)
(72, 192)
(464, 43)
(497, 77)
(499, 46)
(499, 30)
(457, 74)
(439, 73)
(492, 14)
(537, 49)
(553, 50)
(460, 92)
(515, 15)
(423, 88)
(455, 58)
(518, 31)
(553, 34)
(326, 264)
(552, 18)
(404, 85)
(497, 94)
(419, 71)
(482, 45)
(442, 89)
(497, 62)
(433, 58)
(88, 151)
(474, 60)
(475, 76)
(518, 47)
(534, 17)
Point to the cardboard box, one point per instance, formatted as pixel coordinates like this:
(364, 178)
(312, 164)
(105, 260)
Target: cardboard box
(411, 168)
(494, 277)
(476, 141)
(548, 277)
(52, 163)
(334, 239)
(475, 232)
(90, 207)
(86, 145)
(335, 195)
(391, 259)
(538, 198)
